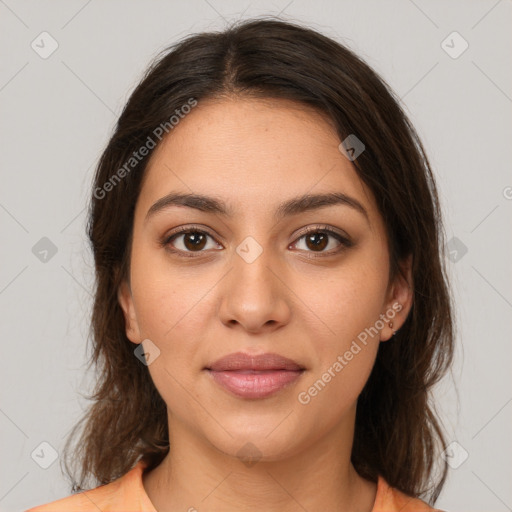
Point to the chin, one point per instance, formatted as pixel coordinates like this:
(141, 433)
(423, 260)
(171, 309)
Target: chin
(271, 438)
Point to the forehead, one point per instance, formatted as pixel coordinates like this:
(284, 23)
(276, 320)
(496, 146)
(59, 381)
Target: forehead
(253, 153)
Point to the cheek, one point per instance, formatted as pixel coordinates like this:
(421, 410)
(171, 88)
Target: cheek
(174, 316)
(345, 340)
(167, 296)
(345, 302)
(172, 313)
(332, 392)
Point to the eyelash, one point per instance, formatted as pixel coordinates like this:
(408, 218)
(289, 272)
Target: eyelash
(345, 242)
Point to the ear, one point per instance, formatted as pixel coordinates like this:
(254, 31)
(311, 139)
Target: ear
(399, 300)
(125, 298)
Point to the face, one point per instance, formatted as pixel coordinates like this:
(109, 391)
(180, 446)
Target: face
(252, 279)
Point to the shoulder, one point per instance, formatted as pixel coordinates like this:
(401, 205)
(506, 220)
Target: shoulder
(390, 499)
(126, 494)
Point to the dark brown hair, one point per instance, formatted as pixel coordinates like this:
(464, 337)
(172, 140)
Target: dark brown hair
(397, 432)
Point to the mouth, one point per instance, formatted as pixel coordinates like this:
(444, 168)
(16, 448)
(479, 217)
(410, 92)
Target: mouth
(254, 377)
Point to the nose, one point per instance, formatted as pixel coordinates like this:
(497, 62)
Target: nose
(254, 296)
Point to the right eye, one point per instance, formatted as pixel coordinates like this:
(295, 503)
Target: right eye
(188, 239)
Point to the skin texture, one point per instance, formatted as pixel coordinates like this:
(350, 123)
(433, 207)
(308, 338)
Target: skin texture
(254, 154)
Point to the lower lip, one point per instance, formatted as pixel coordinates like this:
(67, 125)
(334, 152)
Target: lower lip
(255, 384)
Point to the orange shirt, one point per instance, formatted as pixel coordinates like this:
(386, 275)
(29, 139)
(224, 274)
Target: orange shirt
(127, 494)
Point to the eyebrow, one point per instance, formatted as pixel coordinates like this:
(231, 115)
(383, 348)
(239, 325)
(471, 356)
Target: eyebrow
(294, 206)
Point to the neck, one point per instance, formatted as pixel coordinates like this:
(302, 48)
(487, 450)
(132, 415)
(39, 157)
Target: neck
(195, 475)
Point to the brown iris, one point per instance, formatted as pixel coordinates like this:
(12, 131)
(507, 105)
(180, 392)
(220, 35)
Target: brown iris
(194, 240)
(318, 240)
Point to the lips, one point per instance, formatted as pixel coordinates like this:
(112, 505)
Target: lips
(254, 377)
(242, 361)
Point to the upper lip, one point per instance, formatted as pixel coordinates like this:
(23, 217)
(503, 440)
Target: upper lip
(243, 361)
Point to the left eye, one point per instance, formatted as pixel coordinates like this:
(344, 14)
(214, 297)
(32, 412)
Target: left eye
(193, 239)
(316, 240)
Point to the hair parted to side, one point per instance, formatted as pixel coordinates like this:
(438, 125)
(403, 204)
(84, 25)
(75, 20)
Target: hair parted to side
(397, 433)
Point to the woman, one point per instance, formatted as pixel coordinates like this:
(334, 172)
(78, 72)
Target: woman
(271, 308)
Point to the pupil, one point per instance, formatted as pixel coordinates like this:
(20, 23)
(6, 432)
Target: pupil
(320, 243)
(194, 240)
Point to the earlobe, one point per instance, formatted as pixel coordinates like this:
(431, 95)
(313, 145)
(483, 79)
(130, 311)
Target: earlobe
(125, 299)
(400, 300)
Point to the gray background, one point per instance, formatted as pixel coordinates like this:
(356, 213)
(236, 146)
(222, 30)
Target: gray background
(57, 114)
